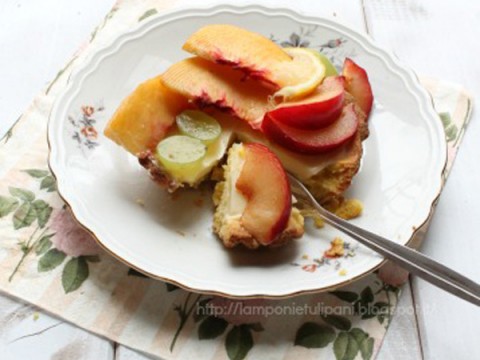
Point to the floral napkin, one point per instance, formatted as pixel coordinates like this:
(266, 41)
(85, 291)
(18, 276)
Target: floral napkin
(50, 261)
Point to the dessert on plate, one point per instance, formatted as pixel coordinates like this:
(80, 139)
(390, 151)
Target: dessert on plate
(242, 111)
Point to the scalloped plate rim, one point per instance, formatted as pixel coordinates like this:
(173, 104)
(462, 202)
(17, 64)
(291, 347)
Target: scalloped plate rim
(91, 63)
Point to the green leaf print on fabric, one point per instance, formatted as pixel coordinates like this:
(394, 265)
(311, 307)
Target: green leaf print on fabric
(43, 245)
(366, 349)
(349, 342)
(451, 130)
(366, 296)
(28, 211)
(43, 212)
(7, 205)
(74, 274)
(147, 14)
(238, 342)
(345, 346)
(358, 334)
(24, 216)
(312, 335)
(50, 260)
(36, 173)
(211, 327)
(48, 183)
(365, 304)
(22, 194)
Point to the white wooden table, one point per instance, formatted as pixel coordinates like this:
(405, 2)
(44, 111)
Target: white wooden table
(435, 37)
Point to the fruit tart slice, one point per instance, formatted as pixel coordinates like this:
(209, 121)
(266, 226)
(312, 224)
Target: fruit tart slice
(254, 202)
(292, 112)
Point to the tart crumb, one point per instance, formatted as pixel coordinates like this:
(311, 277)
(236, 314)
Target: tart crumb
(217, 174)
(180, 232)
(305, 257)
(140, 201)
(36, 316)
(349, 209)
(346, 209)
(217, 193)
(319, 222)
(342, 272)
(336, 249)
(313, 214)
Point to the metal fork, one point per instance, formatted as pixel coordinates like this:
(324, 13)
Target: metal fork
(411, 260)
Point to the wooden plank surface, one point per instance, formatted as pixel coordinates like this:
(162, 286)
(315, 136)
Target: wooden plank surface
(28, 333)
(36, 39)
(440, 39)
(125, 353)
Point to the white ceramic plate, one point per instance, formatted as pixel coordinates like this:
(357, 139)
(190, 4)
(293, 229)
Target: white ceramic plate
(171, 239)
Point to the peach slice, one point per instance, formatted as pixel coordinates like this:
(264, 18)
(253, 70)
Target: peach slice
(144, 117)
(265, 185)
(244, 50)
(295, 70)
(209, 84)
(313, 141)
(318, 110)
(357, 84)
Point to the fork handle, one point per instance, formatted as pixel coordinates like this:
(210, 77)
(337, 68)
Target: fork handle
(411, 260)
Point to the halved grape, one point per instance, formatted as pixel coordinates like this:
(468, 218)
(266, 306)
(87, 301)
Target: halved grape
(181, 156)
(198, 125)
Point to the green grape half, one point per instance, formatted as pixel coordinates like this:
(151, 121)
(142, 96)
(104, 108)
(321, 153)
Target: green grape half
(198, 125)
(181, 156)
